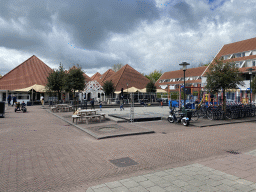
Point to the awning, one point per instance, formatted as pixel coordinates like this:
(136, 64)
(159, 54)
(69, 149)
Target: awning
(161, 91)
(131, 90)
(37, 88)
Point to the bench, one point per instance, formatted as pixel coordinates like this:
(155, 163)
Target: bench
(54, 109)
(75, 117)
(90, 117)
(103, 115)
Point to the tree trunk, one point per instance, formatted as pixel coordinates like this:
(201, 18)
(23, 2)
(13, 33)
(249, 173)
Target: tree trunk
(224, 104)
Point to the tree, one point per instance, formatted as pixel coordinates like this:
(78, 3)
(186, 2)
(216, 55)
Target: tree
(223, 76)
(154, 76)
(108, 88)
(116, 67)
(56, 80)
(150, 87)
(253, 84)
(75, 80)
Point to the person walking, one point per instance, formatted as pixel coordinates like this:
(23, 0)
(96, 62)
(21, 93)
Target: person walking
(161, 103)
(100, 106)
(122, 106)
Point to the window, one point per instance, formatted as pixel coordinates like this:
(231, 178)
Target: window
(243, 54)
(237, 55)
(253, 63)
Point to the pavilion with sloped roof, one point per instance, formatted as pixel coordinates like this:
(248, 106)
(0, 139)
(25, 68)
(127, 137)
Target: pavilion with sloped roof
(31, 72)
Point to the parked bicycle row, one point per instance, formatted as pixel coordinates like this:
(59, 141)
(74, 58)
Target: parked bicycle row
(234, 111)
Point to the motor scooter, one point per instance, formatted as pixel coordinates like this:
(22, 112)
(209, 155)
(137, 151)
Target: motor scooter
(178, 117)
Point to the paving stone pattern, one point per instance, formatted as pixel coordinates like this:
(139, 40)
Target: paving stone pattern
(40, 152)
(194, 177)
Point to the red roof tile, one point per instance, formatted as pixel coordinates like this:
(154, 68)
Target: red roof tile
(192, 72)
(128, 75)
(101, 79)
(237, 47)
(96, 75)
(30, 72)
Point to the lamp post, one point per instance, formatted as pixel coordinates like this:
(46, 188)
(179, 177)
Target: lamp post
(127, 92)
(250, 73)
(184, 67)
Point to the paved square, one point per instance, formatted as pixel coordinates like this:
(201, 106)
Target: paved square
(40, 152)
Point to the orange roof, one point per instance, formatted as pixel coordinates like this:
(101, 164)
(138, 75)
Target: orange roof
(237, 47)
(95, 76)
(30, 72)
(245, 69)
(101, 79)
(128, 75)
(192, 72)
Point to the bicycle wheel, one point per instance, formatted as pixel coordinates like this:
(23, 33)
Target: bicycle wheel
(228, 114)
(210, 115)
(194, 116)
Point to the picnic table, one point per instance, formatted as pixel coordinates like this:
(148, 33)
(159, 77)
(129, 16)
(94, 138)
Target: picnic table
(62, 108)
(88, 115)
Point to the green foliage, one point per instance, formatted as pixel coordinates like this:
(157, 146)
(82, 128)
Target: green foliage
(223, 76)
(195, 93)
(56, 80)
(108, 88)
(151, 88)
(253, 84)
(154, 76)
(75, 79)
(116, 67)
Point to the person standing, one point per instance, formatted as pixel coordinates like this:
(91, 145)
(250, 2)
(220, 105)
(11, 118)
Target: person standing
(9, 100)
(14, 100)
(92, 104)
(42, 100)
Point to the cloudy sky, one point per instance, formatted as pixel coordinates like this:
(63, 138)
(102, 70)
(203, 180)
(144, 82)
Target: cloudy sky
(96, 34)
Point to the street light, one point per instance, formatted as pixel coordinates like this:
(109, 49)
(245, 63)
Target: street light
(184, 67)
(250, 73)
(127, 92)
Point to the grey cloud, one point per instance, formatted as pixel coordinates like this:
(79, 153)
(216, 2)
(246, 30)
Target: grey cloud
(92, 22)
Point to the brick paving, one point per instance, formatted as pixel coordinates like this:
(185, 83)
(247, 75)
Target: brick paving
(40, 152)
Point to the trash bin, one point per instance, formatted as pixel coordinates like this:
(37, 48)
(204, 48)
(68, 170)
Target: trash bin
(2, 108)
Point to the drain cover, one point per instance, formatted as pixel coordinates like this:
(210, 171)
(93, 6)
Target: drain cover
(123, 162)
(233, 152)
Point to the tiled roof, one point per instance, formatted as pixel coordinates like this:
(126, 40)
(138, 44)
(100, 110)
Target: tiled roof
(245, 69)
(30, 72)
(237, 47)
(101, 79)
(87, 78)
(192, 72)
(96, 75)
(128, 75)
